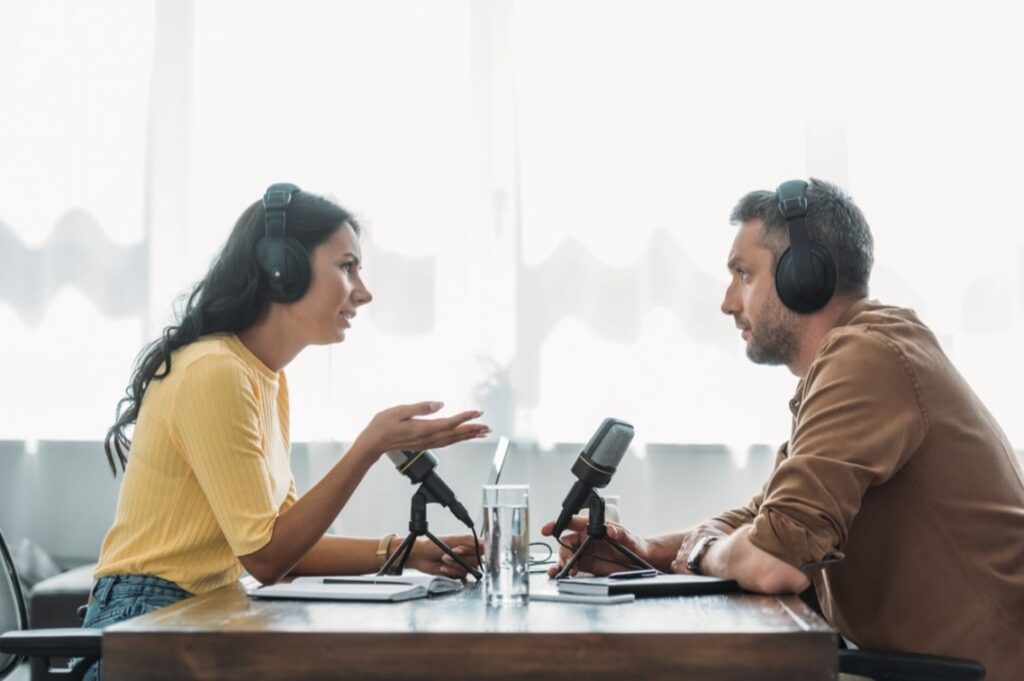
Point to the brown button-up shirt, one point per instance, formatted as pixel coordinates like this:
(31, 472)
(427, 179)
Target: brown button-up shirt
(895, 466)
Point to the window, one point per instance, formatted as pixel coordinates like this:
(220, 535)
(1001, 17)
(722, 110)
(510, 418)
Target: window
(546, 188)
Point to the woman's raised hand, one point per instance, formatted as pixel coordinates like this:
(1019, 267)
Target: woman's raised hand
(403, 428)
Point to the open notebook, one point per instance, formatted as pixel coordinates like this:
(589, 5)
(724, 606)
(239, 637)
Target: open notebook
(404, 587)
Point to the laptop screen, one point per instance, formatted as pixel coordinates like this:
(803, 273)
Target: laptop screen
(499, 461)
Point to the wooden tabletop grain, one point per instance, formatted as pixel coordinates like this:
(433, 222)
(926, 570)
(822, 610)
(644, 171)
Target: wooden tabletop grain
(225, 635)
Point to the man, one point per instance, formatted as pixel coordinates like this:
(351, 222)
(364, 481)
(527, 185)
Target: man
(897, 494)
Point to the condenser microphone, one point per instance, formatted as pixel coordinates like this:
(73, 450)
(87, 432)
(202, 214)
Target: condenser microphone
(595, 466)
(419, 467)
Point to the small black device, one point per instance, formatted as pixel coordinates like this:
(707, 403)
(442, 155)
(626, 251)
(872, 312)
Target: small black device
(805, 276)
(282, 259)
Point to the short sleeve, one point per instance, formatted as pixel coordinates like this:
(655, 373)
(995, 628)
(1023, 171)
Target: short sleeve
(290, 498)
(216, 420)
(859, 422)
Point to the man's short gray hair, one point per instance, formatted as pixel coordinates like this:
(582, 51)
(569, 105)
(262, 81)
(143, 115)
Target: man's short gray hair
(833, 220)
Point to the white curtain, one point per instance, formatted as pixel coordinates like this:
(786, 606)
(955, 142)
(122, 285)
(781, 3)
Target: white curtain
(74, 268)
(546, 187)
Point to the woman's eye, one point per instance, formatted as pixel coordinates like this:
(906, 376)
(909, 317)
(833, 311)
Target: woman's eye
(346, 266)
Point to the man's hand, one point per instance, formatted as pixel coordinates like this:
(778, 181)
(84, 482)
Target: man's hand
(600, 558)
(736, 557)
(689, 540)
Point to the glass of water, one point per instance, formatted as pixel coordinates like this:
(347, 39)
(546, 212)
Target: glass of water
(506, 536)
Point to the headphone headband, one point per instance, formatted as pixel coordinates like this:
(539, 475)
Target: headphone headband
(792, 199)
(275, 204)
(805, 276)
(793, 206)
(283, 260)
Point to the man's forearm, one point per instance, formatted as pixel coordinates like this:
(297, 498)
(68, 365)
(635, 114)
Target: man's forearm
(736, 557)
(663, 548)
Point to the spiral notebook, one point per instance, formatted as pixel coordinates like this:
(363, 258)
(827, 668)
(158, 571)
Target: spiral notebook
(403, 587)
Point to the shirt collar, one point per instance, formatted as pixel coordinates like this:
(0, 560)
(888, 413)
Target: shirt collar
(855, 309)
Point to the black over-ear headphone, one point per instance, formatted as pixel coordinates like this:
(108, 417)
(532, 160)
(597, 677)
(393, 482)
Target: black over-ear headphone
(805, 275)
(283, 260)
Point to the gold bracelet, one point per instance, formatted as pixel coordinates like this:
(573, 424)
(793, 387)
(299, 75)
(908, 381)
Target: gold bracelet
(382, 549)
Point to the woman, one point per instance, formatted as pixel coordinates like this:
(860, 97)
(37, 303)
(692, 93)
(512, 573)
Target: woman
(209, 491)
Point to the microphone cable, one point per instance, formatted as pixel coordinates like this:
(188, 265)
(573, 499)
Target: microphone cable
(546, 559)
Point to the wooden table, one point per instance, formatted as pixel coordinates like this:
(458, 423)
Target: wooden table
(224, 635)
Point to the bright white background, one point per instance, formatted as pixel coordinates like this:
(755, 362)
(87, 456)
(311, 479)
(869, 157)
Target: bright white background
(546, 187)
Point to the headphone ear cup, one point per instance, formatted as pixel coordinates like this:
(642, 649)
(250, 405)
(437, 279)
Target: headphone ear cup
(823, 277)
(285, 267)
(300, 272)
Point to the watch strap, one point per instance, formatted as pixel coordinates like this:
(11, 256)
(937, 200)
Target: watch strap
(698, 553)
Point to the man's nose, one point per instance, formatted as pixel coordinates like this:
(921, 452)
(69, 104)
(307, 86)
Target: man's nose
(729, 304)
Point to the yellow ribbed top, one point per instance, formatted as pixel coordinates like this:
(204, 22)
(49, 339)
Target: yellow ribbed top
(208, 472)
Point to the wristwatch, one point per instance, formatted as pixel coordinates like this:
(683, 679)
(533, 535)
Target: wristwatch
(697, 553)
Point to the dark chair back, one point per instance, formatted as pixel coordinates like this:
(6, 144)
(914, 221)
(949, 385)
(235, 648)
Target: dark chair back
(40, 646)
(13, 616)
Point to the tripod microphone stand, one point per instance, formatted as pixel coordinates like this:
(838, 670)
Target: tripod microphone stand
(598, 531)
(418, 528)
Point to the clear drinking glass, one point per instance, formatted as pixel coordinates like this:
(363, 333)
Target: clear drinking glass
(506, 535)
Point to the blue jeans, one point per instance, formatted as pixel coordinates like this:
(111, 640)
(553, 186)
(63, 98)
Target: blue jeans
(117, 598)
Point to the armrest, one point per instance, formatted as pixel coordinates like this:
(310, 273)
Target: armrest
(908, 667)
(70, 642)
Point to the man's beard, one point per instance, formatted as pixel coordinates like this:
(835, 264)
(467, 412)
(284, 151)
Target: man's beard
(775, 340)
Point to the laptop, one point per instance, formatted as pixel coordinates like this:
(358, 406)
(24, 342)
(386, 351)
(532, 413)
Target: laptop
(545, 556)
(498, 462)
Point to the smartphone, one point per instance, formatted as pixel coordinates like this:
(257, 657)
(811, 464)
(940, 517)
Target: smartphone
(577, 598)
(634, 574)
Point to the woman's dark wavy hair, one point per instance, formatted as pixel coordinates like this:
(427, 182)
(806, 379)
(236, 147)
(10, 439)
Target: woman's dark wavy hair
(230, 298)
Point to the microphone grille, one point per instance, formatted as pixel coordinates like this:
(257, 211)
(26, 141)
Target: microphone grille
(397, 457)
(610, 443)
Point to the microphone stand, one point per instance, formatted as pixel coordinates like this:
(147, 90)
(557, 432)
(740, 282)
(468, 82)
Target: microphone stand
(418, 528)
(597, 530)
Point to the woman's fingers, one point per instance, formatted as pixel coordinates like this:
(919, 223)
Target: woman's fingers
(407, 411)
(434, 427)
(458, 419)
(439, 441)
(443, 439)
(426, 430)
